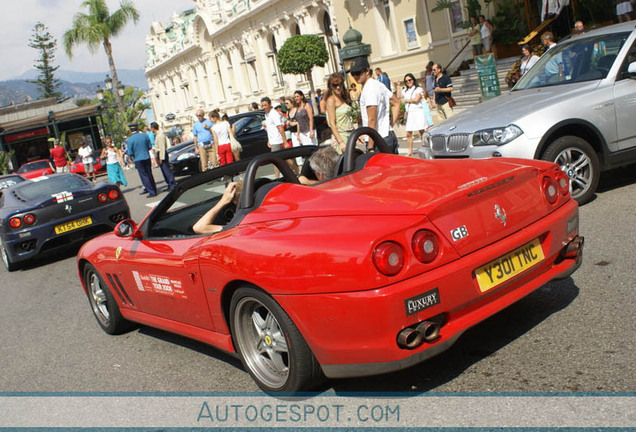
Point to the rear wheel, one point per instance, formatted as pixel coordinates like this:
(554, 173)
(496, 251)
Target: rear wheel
(8, 264)
(103, 304)
(272, 349)
(579, 161)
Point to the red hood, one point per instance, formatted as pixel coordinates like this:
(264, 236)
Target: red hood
(451, 193)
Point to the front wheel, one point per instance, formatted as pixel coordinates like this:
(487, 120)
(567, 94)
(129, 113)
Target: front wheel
(579, 161)
(103, 304)
(271, 348)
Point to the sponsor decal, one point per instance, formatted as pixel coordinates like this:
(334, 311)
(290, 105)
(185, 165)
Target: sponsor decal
(159, 285)
(63, 197)
(422, 301)
(491, 186)
(459, 233)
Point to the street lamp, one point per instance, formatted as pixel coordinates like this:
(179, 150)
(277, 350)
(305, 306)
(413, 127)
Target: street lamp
(109, 82)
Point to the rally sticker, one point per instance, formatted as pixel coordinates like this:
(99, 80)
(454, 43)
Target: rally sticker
(159, 284)
(62, 197)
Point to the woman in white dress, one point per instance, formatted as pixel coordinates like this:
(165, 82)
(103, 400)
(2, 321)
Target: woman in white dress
(528, 59)
(412, 96)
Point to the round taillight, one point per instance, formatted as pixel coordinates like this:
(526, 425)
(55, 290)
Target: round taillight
(425, 246)
(113, 194)
(102, 197)
(388, 258)
(563, 182)
(15, 222)
(550, 189)
(29, 219)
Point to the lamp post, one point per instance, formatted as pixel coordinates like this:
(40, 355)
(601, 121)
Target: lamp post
(105, 106)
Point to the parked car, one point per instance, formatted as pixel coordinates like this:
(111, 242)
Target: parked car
(77, 166)
(10, 180)
(250, 132)
(575, 107)
(36, 168)
(372, 271)
(51, 212)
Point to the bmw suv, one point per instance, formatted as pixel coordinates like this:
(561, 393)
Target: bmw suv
(576, 106)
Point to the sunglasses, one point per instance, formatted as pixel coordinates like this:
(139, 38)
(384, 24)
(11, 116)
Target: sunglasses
(408, 80)
(336, 85)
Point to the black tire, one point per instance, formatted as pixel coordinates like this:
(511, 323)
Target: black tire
(6, 259)
(276, 356)
(103, 304)
(579, 160)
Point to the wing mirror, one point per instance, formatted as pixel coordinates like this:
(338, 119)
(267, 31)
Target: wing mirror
(127, 228)
(631, 69)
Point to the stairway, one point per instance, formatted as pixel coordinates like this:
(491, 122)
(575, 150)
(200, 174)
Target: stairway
(467, 92)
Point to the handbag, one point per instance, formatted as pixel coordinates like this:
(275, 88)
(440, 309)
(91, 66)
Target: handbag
(236, 146)
(451, 101)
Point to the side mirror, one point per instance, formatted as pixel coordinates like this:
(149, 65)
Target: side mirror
(631, 69)
(127, 228)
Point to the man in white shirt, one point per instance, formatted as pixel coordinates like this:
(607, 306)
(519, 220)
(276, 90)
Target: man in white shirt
(86, 153)
(375, 101)
(274, 127)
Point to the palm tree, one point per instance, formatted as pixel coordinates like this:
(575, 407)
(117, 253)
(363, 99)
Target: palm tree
(99, 27)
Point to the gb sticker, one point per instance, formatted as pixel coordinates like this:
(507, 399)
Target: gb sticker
(459, 233)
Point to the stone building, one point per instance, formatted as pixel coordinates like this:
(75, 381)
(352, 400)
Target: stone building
(222, 54)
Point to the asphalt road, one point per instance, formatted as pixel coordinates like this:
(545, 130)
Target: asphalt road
(574, 335)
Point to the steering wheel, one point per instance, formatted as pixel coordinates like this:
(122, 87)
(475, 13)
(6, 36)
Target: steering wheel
(249, 187)
(350, 153)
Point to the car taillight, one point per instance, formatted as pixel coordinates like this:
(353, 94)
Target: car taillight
(563, 182)
(29, 219)
(388, 258)
(102, 197)
(425, 246)
(113, 194)
(15, 222)
(550, 189)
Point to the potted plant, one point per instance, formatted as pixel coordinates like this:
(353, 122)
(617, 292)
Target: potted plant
(510, 28)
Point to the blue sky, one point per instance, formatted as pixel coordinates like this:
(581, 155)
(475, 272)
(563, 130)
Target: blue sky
(19, 16)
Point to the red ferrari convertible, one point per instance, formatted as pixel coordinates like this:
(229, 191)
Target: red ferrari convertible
(374, 270)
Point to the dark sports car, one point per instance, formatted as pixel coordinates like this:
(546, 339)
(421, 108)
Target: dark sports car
(53, 211)
(9, 180)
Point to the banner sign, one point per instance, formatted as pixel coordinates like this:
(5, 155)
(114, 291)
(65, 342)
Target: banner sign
(488, 78)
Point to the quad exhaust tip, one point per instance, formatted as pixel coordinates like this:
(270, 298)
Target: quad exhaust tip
(412, 337)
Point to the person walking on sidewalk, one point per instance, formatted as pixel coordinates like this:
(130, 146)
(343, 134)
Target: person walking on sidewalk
(412, 96)
(443, 89)
(114, 162)
(60, 160)
(204, 144)
(338, 112)
(375, 102)
(138, 147)
(161, 146)
(221, 132)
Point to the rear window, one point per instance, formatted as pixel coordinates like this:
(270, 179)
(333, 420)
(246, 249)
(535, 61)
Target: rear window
(34, 166)
(49, 186)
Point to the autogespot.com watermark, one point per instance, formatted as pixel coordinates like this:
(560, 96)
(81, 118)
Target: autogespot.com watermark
(580, 412)
(306, 413)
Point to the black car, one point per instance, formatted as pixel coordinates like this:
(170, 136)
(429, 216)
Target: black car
(250, 132)
(53, 211)
(10, 180)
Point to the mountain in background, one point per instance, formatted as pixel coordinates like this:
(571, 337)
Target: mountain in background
(73, 85)
(130, 77)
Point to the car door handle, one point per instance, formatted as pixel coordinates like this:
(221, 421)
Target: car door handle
(193, 277)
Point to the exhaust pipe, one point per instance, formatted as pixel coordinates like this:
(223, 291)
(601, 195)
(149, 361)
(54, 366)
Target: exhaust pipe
(409, 338)
(429, 330)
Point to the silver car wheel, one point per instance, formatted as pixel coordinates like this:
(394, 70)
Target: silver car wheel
(98, 300)
(262, 342)
(578, 166)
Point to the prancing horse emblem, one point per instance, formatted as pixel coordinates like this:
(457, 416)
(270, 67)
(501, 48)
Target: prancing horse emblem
(500, 214)
(68, 208)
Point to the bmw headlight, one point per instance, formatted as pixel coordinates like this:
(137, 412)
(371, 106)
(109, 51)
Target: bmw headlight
(184, 156)
(496, 136)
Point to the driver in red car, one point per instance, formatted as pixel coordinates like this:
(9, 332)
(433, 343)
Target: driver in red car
(205, 224)
(323, 162)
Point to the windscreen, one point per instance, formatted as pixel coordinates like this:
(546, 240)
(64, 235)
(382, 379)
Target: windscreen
(49, 186)
(576, 60)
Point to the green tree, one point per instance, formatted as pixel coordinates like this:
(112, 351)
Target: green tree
(97, 28)
(46, 44)
(300, 53)
(5, 159)
(116, 121)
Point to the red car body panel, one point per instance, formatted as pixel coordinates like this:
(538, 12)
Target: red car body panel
(35, 173)
(310, 248)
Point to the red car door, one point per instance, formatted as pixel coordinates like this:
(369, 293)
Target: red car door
(162, 279)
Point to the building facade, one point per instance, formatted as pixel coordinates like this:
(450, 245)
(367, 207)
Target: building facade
(223, 54)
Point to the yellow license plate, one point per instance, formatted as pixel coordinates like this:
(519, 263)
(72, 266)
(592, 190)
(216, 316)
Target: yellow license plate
(510, 265)
(73, 225)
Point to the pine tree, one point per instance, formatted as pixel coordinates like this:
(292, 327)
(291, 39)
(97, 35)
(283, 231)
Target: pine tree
(44, 42)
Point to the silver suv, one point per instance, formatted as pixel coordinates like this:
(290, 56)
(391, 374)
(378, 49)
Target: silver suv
(576, 107)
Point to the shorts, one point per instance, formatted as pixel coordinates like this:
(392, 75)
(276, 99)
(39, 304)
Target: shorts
(624, 8)
(277, 147)
(89, 168)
